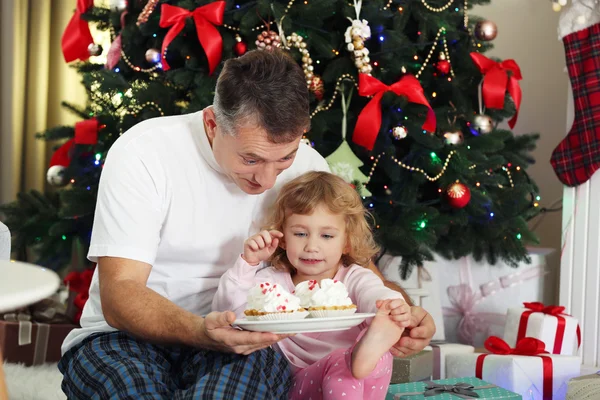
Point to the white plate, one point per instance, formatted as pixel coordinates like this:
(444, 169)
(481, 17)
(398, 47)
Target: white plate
(305, 325)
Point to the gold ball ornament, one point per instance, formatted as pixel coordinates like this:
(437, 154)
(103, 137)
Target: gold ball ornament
(267, 40)
(483, 124)
(454, 137)
(486, 30)
(399, 132)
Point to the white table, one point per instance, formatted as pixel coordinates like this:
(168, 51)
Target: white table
(22, 284)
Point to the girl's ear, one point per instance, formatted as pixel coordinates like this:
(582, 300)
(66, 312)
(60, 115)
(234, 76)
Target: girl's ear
(282, 243)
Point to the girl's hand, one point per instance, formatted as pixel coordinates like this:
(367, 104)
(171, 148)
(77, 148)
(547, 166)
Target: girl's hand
(399, 311)
(261, 246)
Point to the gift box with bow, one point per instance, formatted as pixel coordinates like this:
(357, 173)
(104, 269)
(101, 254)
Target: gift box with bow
(559, 331)
(34, 335)
(526, 369)
(417, 367)
(450, 389)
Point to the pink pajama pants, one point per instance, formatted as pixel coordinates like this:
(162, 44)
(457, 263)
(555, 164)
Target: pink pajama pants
(331, 378)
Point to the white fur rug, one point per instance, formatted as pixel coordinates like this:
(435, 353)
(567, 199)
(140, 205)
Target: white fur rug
(41, 382)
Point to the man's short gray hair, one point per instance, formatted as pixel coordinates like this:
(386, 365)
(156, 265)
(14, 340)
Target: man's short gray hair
(266, 89)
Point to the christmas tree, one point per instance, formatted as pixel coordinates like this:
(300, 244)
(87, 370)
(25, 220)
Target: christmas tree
(404, 106)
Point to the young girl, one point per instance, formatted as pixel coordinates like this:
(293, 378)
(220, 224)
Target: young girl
(318, 231)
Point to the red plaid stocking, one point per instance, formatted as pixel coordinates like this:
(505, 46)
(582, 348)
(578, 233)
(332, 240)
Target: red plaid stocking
(577, 157)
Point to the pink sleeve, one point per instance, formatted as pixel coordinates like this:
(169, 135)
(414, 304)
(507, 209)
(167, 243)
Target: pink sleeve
(235, 284)
(365, 288)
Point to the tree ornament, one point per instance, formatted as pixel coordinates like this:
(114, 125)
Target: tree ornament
(399, 132)
(483, 124)
(317, 87)
(56, 175)
(355, 37)
(486, 30)
(152, 56)
(117, 5)
(146, 12)
(458, 195)
(240, 46)
(296, 41)
(345, 164)
(94, 49)
(454, 137)
(443, 66)
(268, 40)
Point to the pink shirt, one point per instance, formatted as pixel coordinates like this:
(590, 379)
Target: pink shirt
(302, 350)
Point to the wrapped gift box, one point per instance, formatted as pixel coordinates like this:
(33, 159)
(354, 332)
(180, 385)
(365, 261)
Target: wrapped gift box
(417, 367)
(494, 289)
(558, 332)
(440, 350)
(417, 390)
(520, 374)
(32, 343)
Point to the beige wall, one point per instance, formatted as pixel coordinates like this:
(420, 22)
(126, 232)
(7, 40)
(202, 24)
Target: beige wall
(527, 33)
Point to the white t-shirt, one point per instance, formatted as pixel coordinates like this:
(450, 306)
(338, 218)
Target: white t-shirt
(163, 200)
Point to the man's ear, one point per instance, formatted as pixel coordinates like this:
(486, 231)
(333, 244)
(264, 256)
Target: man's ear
(210, 123)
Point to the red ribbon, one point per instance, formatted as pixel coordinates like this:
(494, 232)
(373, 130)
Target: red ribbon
(369, 121)
(77, 36)
(205, 18)
(86, 132)
(556, 311)
(496, 82)
(79, 282)
(525, 347)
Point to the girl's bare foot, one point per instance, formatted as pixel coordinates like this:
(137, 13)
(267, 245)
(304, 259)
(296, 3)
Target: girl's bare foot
(381, 335)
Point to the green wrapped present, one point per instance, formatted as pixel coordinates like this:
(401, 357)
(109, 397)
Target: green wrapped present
(450, 389)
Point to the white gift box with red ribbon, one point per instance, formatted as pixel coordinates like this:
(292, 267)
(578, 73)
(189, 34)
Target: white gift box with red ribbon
(559, 331)
(523, 370)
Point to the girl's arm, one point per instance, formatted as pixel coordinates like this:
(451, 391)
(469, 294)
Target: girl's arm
(234, 286)
(365, 288)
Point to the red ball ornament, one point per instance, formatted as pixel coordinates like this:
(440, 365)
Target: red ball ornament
(443, 66)
(458, 195)
(317, 87)
(240, 47)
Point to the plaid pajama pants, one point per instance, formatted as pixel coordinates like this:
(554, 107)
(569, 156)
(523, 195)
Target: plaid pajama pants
(118, 366)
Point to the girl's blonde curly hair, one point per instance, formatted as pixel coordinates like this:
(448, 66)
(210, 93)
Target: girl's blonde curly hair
(304, 194)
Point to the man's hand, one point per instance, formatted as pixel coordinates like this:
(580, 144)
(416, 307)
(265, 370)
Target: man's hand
(417, 335)
(219, 335)
(259, 247)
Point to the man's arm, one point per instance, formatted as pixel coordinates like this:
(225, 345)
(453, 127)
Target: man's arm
(390, 284)
(129, 305)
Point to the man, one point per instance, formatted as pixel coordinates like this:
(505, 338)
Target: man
(178, 196)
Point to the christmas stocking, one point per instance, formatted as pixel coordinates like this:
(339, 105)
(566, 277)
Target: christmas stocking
(577, 157)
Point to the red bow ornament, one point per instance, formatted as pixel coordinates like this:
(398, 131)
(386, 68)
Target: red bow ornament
(369, 121)
(86, 132)
(497, 81)
(79, 282)
(525, 347)
(205, 19)
(77, 36)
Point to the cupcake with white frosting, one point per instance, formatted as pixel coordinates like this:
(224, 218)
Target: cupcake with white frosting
(269, 301)
(329, 299)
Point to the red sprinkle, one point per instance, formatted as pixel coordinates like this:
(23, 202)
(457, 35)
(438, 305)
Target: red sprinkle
(278, 294)
(261, 285)
(267, 283)
(335, 281)
(283, 308)
(264, 291)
